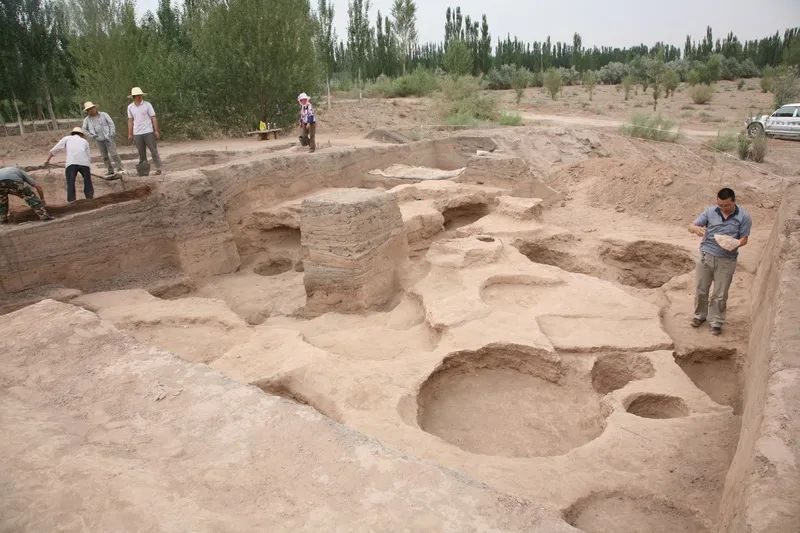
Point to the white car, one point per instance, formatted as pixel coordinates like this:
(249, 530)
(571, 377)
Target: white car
(785, 122)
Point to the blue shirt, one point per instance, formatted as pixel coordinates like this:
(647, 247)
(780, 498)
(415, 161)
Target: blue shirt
(16, 174)
(737, 226)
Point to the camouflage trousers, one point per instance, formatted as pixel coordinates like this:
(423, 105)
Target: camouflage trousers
(24, 191)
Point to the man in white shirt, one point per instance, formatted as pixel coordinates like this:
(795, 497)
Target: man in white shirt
(100, 127)
(77, 160)
(143, 128)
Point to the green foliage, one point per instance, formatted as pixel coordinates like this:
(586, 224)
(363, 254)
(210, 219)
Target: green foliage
(404, 13)
(360, 41)
(462, 119)
(627, 86)
(462, 97)
(325, 36)
(767, 79)
(589, 82)
(212, 71)
(420, 82)
(519, 81)
(552, 82)
(612, 73)
(510, 119)
(656, 93)
(701, 94)
(37, 72)
(670, 80)
(786, 86)
(743, 143)
(655, 128)
(758, 148)
(457, 59)
(724, 142)
(503, 77)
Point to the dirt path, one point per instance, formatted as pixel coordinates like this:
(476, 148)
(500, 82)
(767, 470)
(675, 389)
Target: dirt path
(601, 123)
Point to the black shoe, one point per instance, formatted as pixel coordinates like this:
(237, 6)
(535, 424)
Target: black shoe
(697, 322)
(716, 330)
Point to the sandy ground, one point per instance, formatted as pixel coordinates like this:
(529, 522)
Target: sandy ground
(542, 349)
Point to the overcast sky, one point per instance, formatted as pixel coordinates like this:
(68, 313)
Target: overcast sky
(600, 22)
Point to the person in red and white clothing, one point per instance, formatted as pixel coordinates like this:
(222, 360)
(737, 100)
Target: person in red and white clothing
(308, 122)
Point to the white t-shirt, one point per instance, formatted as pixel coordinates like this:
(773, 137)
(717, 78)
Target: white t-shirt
(77, 150)
(141, 117)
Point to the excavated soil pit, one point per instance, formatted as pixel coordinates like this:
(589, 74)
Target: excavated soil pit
(273, 267)
(657, 406)
(464, 215)
(646, 264)
(547, 252)
(716, 372)
(510, 403)
(618, 513)
(614, 371)
(85, 204)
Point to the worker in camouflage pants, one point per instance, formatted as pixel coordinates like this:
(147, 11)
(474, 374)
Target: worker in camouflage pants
(19, 183)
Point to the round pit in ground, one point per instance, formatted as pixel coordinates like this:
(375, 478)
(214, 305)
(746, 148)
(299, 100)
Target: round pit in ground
(657, 406)
(614, 371)
(511, 403)
(646, 264)
(617, 512)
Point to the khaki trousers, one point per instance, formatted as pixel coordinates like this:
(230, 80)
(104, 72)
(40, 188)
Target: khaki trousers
(719, 271)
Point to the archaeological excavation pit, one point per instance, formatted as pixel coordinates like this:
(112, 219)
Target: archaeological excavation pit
(511, 357)
(657, 406)
(613, 371)
(717, 372)
(646, 264)
(617, 512)
(509, 402)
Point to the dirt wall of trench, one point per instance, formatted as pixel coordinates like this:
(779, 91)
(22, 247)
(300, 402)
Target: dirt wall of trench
(191, 223)
(762, 489)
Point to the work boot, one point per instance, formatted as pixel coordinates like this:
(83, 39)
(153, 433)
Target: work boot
(697, 322)
(110, 173)
(716, 330)
(48, 217)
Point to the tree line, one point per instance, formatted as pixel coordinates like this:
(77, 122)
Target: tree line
(221, 65)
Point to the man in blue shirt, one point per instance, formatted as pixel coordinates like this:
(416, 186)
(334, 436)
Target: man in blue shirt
(16, 181)
(717, 264)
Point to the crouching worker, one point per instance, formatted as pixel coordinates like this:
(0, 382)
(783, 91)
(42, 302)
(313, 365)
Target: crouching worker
(19, 183)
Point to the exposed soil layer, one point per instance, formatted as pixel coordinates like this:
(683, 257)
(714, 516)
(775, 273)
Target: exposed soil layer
(86, 204)
(647, 264)
(614, 371)
(555, 251)
(486, 361)
(502, 402)
(619, 512)
(657, 406)
(273, 267)
(464, 215)
(715, 372)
